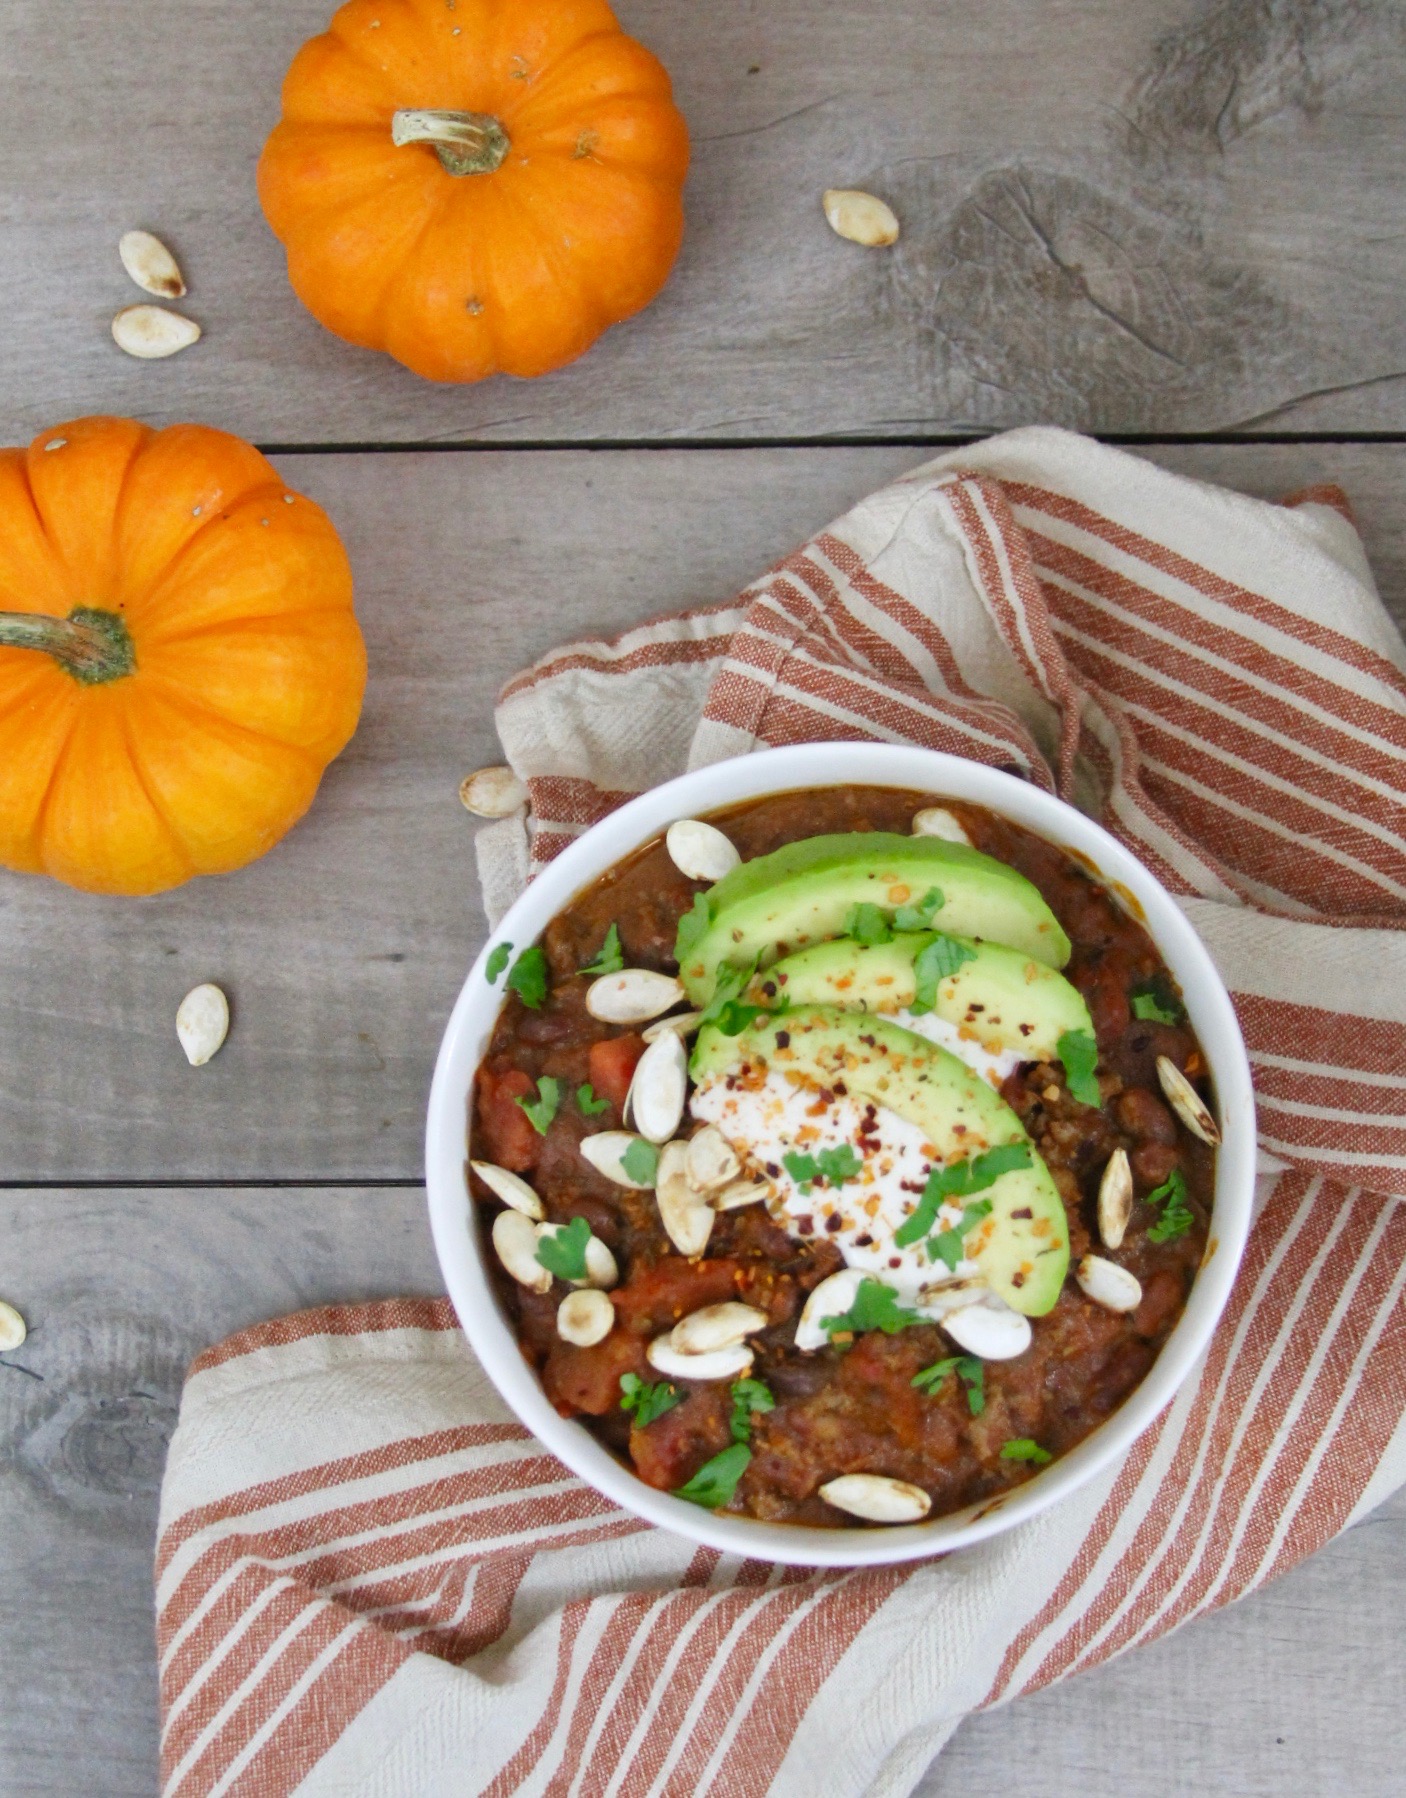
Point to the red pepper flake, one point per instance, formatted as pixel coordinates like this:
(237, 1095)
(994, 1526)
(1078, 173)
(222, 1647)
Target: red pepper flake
(783, 1039)
(806, 1224)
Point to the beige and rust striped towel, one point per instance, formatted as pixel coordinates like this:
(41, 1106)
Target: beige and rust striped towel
(370, 1581)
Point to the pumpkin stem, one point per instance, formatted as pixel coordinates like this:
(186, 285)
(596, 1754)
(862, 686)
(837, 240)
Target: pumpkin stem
(90, 644)
(467, 143)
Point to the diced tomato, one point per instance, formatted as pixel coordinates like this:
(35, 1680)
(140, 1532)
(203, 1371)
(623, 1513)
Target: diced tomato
(508, 1136)
(612, 1066)
(655, 1298)
(588, 1379)
(670, 1450)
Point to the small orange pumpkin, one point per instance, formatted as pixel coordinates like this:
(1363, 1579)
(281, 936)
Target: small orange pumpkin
(179, 660)
(476, 186)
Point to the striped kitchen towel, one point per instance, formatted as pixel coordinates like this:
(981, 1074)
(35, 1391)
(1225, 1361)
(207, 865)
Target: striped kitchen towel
(372, 1581)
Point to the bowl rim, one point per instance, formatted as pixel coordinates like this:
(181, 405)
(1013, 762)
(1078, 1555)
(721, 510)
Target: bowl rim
(701, 792)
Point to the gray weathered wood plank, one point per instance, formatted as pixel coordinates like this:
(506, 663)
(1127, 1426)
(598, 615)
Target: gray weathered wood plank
(1290, 1695)
(1179, 215)
(344, 948)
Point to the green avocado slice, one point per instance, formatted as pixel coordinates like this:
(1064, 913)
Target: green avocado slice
(802, 893)
(1022, 1247)
(1002, 997)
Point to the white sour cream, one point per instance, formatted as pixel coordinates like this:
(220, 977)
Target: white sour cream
(992, 1065)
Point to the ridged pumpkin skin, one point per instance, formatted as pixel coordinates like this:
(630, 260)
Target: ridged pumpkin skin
(233, 598)
(517, 270)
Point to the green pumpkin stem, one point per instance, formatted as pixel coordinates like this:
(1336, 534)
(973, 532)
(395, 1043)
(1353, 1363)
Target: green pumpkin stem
(90, 644)
(467, 143)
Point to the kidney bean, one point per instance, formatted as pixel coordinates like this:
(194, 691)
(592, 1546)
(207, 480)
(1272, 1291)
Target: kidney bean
(1162, 1295)
(1153, 1163)
(1142, 1114)
(1135, 1057)
(1107, 1000)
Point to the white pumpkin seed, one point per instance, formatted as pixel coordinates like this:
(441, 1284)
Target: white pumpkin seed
(585, 1318)
(493, 793)
(1186, 1102)
(510, 1189)
(937, 821)
(716, 1327)
(601, 1268)
(831, 1298)
(876, 1498)
(13, 1328)
(151, 265)
(632, 996)
(1115, 1199)
(515, 1244)
(732, 1363)
(700, 851)
(712, 1160)
(1107, 1284)
(202, 1023)
(862, 218)
(659, 1088)
(682, 1023)
(606, 1153)
(687, 1219)
(740, 1193)
(943, 1296)
(151, 332)
(989, 1332)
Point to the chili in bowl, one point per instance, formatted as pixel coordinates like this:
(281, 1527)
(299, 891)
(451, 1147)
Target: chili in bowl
(859, 1150)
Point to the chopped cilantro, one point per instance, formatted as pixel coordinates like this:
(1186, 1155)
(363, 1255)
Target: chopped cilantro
(1079, 1053)
(589, 1104)
(802, 1168)
(867, 924)
(610, 958)
(960, 1181)
(1154, 1002)
(941, 958)
(919, 916)
(693, 927)
(749, 1397)
(563, 1252)
(496, 962)
(946, 1246)
(1023, 1449)
(833, 1166)
(541, 1110)
(970, 1371)
(716, 1480)
(641, 1161)
(1177, 1216)
(725, 1010)
(646, 1401)
(875, 1307)
(529, 977)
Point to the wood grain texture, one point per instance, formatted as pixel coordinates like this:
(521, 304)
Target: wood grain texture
(342, 950)
(1179, 215)
(1293, 1693)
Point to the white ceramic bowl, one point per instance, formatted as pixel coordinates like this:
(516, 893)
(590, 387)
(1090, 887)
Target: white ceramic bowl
(694, 795)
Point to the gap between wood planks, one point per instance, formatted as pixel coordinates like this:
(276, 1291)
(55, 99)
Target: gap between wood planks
(869, 440)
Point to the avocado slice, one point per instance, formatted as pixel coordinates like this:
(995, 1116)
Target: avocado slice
(1003, 997)
(1022, 1247)
(801, 894)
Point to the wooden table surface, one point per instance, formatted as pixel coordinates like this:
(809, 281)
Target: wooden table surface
(1177, 222)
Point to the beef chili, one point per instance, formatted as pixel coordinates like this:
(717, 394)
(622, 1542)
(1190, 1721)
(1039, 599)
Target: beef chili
(881, 1258)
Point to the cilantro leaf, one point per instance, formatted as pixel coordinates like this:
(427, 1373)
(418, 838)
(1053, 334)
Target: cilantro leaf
(946, 1246)
(529, 977)
(541, 1110)
(875, 1307)
(609, 958)
(646, 1401)
(563, 1253)
(1154, 1002)
(588, 1103)
(749, 1397)
(939, 959)
(1177, 1216)
(919, 916)
(725, 1010)
(1023, 1449)
(867, 924)
(1079, 1053)
(960, 1181)
(716, 1480)
(496, 962)
(641, 1161)
(693, 927)
(969, 1370)
(838, 1165)
(802, 1168)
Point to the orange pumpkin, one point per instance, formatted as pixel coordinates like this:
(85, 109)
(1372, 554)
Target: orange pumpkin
(179, 660)
(476, 186)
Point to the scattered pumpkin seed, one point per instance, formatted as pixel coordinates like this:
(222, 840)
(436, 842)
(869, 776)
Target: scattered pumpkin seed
(860, 217)
(877, 1498)
(1187, 1102)
(151, 265)
(202, 1023)
(151, 332)
(1115, 1199)
(493, 793)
